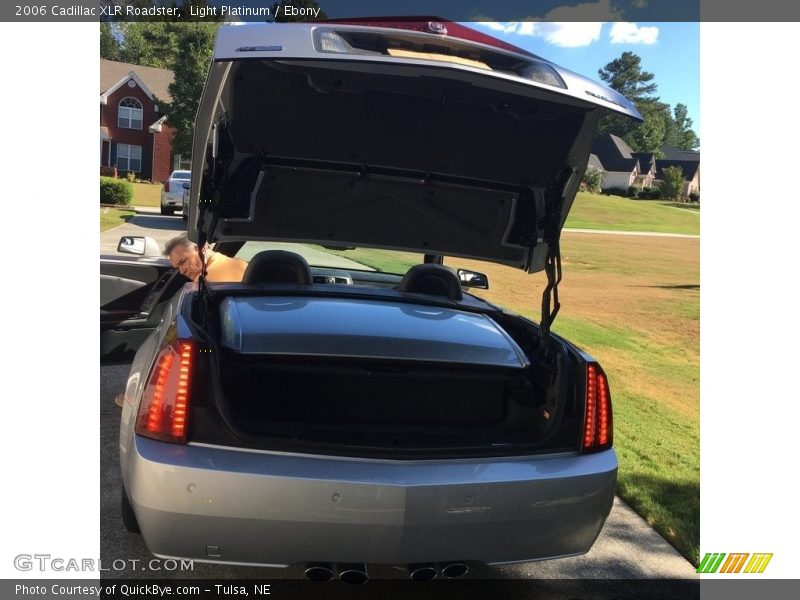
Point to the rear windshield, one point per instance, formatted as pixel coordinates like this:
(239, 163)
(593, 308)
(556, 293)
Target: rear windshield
(181, 175)
(355, 259)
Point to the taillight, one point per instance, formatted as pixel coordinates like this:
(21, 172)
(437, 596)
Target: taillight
(165, 401)
(598, 431)
(166, 186)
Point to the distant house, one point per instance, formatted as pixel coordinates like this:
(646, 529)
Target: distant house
(691, 174)
(688, 161)
(595, 163)
(134, 135)
(622, 166)
(671, 153)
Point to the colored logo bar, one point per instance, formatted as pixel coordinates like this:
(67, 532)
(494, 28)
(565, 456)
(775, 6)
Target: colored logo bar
(719, 562)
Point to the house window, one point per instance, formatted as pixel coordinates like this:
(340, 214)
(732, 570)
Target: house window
(129, 115)
(129, 158)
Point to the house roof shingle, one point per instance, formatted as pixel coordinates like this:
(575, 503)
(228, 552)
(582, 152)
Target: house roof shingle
(614, 153)
(689, 167)
(672, 153)
(157, 80)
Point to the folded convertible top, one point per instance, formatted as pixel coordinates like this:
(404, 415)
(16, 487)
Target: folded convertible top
(356, 328)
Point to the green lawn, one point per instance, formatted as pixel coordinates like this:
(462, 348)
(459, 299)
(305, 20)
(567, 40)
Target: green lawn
(112, 217)
(658, 445)
(385, 261)
(147, 194)
(595, 211)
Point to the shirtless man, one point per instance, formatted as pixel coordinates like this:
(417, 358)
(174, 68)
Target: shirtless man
(184, 256)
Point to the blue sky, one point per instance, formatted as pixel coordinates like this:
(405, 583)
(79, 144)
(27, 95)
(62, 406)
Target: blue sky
(669, 50)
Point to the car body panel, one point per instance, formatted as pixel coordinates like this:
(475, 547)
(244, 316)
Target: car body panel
(127, 300)
(279, 509)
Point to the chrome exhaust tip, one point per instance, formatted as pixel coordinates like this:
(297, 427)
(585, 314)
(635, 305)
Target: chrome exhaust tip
(319, 572)
(422, 572)
(455, 570)
(355, 574)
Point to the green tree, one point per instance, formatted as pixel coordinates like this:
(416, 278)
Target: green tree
(109, 45)
(281, 18)
(195, 48)
(151, 43)
(649, 135)
(685, 137)
(672, 183)
(625, 74)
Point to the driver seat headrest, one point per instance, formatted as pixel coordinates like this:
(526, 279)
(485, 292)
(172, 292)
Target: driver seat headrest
(277, 266)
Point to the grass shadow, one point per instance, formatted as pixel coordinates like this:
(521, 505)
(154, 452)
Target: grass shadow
(683, 286)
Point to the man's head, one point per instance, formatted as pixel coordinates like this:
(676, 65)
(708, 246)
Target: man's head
(183, 255)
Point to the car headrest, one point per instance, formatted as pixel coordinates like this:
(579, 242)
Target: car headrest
(277, 266)
(433, 279)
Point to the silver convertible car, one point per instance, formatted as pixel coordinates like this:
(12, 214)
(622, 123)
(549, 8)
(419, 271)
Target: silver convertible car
(342, 413)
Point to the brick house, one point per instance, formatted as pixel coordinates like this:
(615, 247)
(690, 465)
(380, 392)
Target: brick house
(134, 136)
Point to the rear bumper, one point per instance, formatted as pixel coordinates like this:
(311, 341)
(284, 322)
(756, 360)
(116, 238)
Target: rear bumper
(281, 509)
(170, 199)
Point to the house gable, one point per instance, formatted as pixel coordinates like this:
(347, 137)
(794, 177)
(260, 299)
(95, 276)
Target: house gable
(131, 76)
(152, 141)
(615, 154)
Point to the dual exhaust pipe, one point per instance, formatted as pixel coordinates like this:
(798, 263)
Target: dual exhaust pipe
(351, 573)
(429, 572)
(356, 573)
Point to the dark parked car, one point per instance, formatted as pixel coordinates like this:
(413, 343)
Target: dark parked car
(334, 413)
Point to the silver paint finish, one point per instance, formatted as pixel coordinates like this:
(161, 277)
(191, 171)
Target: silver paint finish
(297, 42)
(370, 329)
(277, 508)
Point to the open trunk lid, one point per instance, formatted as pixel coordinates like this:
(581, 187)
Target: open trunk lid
(350, 135)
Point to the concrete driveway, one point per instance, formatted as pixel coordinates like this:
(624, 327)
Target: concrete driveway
(626, 549)
(158, 227)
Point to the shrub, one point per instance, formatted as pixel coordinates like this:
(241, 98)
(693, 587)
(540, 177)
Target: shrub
(672, 184)
(694, 197)
(634, 191)
(108, 172)
(616, 191)
(115, 191)
(592, 179)
(654, 193)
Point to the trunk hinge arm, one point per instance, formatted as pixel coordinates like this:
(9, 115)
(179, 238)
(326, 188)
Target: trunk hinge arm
(550, 303)
(552, 265)
(205, 293)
